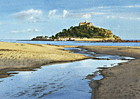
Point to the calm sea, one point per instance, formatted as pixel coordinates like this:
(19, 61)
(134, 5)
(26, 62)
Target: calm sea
(76, 43)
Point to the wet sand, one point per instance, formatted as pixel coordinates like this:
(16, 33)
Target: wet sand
(25, 57)
(119, 82)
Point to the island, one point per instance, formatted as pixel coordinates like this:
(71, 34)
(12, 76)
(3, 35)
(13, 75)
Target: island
(85, 31)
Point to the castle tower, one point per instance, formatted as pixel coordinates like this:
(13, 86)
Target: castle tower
(85, 23)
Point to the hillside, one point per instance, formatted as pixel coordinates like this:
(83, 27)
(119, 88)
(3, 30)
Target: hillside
(85, 31)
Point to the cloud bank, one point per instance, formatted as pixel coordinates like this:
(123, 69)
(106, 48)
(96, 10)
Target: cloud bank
(29, 14)
(33, 16)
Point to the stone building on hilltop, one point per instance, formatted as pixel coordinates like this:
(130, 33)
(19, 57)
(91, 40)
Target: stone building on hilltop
(85, 23)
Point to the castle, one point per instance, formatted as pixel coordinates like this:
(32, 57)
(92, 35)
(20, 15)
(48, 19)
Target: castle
(85, 23)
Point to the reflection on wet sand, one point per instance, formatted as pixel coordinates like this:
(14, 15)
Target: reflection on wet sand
(55, 81)
(59, 81)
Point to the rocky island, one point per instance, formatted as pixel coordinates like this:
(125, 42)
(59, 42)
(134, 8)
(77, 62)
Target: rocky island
(85, 31)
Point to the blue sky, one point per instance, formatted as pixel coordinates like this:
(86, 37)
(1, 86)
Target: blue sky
(25, 19)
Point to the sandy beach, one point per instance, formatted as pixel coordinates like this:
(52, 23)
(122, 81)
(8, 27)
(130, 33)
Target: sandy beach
(119, 82)
(24, 57)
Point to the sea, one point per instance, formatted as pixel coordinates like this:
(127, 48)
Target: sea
(63, 80)
(76, 43)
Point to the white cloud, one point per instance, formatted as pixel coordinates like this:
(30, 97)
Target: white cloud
(31, 17)
(98, 13)
(36, 30)
(65, 13)
(86, 16)
(132, 6)
(33, 30)
(14, 31)
(103, 7)
(29, 30)
(108, 17)
(100, 7)
(129, 6)
(123, 17)
(29, 14)
(113, 16)
(52, 12)
(116, 12)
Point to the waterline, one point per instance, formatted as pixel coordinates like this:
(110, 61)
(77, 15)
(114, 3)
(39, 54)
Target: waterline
(59, 81)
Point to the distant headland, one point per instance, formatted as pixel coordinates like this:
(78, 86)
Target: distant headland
(84, 32)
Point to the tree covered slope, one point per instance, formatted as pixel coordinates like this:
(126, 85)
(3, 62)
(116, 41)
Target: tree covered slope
(85, 31)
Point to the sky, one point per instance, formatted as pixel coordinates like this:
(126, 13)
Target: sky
(26, 19)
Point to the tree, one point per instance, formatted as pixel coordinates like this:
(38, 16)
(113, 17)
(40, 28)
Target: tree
(64, 30)
(71, 27)
(53, 37)
(46, 36)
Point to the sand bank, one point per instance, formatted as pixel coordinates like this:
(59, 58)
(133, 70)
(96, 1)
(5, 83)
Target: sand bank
(119, 82)
(16, 56)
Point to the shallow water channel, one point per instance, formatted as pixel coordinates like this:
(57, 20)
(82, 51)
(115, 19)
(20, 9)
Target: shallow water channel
(58, 81)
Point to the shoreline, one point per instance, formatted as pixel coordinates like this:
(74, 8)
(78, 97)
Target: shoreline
(4, 71)
(121, 81)
(27, 57)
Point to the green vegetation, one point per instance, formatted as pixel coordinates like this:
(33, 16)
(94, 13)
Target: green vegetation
(46, 36)
(85, 31)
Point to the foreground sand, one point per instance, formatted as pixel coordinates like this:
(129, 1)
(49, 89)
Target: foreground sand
(16, 56)
(119, 82)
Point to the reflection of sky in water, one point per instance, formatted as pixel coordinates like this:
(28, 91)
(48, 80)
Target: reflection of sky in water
(59, 81)
(94, 55)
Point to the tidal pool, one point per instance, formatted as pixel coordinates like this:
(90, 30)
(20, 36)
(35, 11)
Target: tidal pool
(58, 81)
